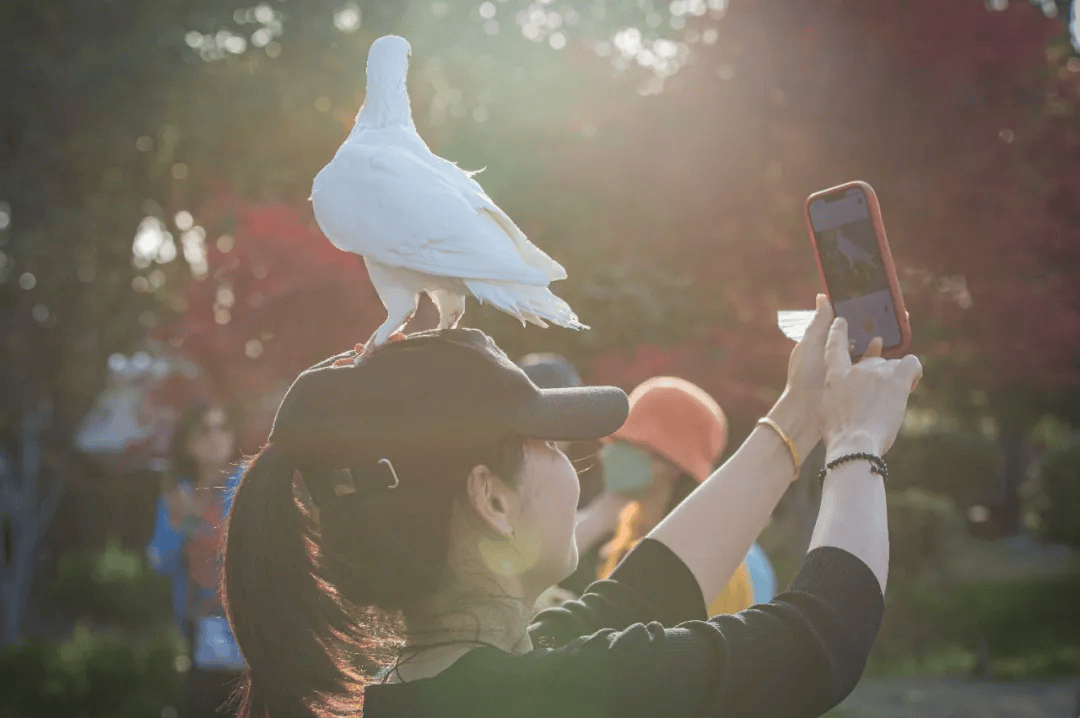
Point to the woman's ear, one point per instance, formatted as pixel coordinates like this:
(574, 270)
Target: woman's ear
(495, 503)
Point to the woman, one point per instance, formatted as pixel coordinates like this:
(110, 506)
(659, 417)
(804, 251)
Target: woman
(676, 432)
(186, 546)
(443, 503)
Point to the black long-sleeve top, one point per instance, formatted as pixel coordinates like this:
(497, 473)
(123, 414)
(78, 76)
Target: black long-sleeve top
(639, 645)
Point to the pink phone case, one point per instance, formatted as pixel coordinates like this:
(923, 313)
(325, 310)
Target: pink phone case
(886, 256)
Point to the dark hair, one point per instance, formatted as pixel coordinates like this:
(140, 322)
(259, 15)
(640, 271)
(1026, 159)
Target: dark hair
(314, 597)
(182, 463)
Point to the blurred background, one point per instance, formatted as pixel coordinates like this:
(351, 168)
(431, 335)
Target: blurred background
(158, 252)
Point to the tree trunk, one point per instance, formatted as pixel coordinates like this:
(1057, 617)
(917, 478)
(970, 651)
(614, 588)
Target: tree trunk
(1014, 466)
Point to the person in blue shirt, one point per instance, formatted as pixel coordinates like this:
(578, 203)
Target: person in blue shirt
(186, 547)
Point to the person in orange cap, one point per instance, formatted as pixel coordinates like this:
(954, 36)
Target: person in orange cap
(671, 441)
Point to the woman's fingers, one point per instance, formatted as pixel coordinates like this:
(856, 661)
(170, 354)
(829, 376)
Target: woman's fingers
(823, 317)
(837, 357)
(911, 369)
(873, 350)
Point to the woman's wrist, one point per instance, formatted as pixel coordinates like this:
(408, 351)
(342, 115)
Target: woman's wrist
(799, 420)
(851, 442)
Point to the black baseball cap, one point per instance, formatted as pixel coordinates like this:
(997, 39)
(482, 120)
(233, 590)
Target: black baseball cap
(449, 389)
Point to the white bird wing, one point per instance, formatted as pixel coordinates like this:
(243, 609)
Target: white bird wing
(385, 203)
(464, 181)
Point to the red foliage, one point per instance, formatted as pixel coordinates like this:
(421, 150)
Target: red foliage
(944, 107)
(276, 301)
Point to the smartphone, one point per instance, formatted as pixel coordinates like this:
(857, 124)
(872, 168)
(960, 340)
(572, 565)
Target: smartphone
(627, 469)
(857, 267)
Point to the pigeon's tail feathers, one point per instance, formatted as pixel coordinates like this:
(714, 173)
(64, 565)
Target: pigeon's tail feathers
(536, 305)
(533, 255)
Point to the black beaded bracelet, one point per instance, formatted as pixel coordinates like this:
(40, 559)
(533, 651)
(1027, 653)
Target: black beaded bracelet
(877, 465)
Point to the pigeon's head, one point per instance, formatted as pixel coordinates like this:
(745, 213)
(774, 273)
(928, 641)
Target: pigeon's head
(388, 60)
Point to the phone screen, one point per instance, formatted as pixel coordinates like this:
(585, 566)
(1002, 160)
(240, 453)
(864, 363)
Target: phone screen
(854, 268)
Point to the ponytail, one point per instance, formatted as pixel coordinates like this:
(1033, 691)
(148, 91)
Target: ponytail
(315, 601)
(291, 626)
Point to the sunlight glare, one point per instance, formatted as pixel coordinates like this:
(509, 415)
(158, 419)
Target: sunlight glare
(348, 18)
(148, 239)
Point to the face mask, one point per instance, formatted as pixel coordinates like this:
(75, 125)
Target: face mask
(627, 469)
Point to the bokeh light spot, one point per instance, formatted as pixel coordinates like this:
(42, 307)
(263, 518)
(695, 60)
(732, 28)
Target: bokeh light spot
(348, 18)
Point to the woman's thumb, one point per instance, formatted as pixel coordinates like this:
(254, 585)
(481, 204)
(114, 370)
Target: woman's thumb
(837, 355)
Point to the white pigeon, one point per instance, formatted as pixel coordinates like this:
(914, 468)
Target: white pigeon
(420, 222)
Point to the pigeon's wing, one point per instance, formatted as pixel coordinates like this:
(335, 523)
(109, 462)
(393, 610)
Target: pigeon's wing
(533, 255)
(384, 203)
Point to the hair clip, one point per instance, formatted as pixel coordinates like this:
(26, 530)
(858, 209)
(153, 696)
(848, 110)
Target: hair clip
(393, 473)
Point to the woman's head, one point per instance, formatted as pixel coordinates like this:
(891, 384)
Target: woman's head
(683, 431)
(432, 467)
(678, 423)
(204, 440)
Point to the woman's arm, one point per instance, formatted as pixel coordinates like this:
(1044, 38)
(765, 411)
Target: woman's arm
(166, 545)
(860, 409)
(798, 655)
(598, 519)
(712, 530)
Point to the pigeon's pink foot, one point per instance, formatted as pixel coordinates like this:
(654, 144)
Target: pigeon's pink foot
(395, 337)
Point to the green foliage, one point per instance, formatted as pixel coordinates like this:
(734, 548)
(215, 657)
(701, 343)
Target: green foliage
(1012, 630)
(92, 675)
(921, 525)
(955, 464)
(1060, 515)
(111, 587)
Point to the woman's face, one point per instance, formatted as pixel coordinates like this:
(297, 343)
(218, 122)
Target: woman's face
(212, 443)
(549, 497)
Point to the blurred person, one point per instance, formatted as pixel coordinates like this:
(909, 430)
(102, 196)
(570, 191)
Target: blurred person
(186, 546)
(679, 433)
(445, 508)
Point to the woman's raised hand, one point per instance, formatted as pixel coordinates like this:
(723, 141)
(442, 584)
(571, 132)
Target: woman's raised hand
(798, 410)
(862, 406)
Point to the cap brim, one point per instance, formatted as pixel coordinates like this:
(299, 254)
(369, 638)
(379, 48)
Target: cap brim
(573, 414)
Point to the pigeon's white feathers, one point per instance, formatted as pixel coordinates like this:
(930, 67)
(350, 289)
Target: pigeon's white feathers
(421, 223)
(435, 218)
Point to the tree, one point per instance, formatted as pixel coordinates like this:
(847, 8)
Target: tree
(150, 121)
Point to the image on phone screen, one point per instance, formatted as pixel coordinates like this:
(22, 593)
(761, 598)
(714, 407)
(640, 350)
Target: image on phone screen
(854, 269)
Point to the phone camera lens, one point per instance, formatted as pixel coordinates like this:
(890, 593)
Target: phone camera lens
(860, 201)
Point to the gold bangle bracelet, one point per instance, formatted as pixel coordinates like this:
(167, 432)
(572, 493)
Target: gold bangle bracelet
(766, 421)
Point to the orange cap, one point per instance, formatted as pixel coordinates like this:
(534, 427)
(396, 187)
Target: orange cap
(679, 421)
